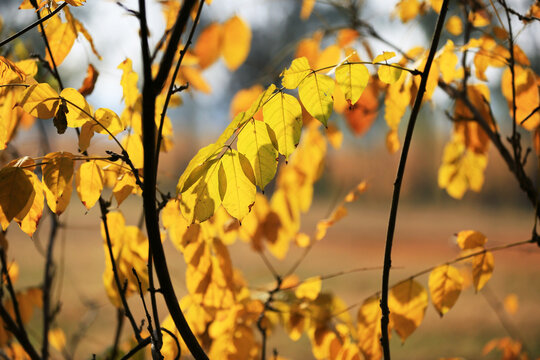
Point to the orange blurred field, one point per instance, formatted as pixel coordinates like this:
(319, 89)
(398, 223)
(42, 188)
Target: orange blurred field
(423, 239)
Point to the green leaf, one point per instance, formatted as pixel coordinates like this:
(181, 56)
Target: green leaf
(293, 76)
(352, 79)
(255, 143)
(283, 114)
(237, 184)
(316, 95)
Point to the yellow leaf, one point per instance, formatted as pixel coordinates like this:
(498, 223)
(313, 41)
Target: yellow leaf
(89, 180)
(195, 79)
(78, 109)
(309, 48)
(461, 169)
(236, 184)
(511, 304)
(57, 338)
(328, 58)
(16, 194)
(61, 37)
(345, 37)
(392, 141)
(174, 222)
(283, 115)
(323, 225)
(470, 239)
(369, 328)
(89, 81)
(29, 222)
(527, 96)
(354, 194)
(309, 289)
(387, 74)
(236, 42)
(58, 204)
(58, 172)
(307, 8)
(454, 25)
(445, 285)
(208, 45)
(407, 301)
(447, 62)
(353, 79)
(134, 147)
(201, 193)
(243, 99)
(408, 9)
(396, 101)
(129, 82)
(256, 144)
(436, 5)
(80, 29)
(482, 269)
(321, 341)
(108, 120)
(296, 73)
(40, 100)
(302, 240)
(125, 186)
(316, 95)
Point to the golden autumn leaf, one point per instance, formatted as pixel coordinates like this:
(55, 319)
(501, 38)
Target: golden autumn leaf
(57, 339)
(345, 37)
(208, 45)
(322, 226)
(134, 147)
(61, 36)
(236, 184)
(16, 194)
(315, 92)
(470, 239)
(309, 289)
(445, 285)
(296, 73)
(29, 222)
(79, 111)
(454, 25)
(254, 141)
(407, 301)
(482, 269)
(353, 79)
(408, 9)
(283, 115)
(328, 58)
(236, 42)
(369, 328)
(309, 48)
(125, 186)
(58, 172)
(89, 179)
(307, 8)
(388, 73)
(321, 341)
(363, 113)
(243, 99)
(128, 81)
(527, 96)
(40, 100)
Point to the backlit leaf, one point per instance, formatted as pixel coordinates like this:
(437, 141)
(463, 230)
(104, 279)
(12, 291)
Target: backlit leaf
(328, 58)
(284, 116)
(353, 79)
(129, 82)
(236, 42)
(445, 285)
(470, 239)
(58, 204)
(407, 301)
(243, 99)
(58, 172)
(201, 195)
(361, 115)
(369, 328)
(125, 186)
(387, 74)
(40, 100)
(454, 25)
(482, 269)
(255, 143)
(323, 225)
(309, 289)
(107, 120)
(89, 81)
(57, 338)
(238, 195)
(316, 95)
(78, 109)
(208, 45)
(89, 180)
(307, 8)
(61, 36)
(527, 96)
(16, 194)
(296, 73)
(29, 222)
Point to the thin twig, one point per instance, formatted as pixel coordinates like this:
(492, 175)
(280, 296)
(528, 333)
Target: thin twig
(399, 178)
(33, 25)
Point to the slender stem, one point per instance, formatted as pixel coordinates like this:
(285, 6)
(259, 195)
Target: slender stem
(119, 325)
(32, 25)
(150, 171)
(171, 91)
(141, 345)
(399, 178)
(48, 277)
(121, 293)
(20, 334)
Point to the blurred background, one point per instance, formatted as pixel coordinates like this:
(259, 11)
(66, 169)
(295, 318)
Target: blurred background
(427, 219)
